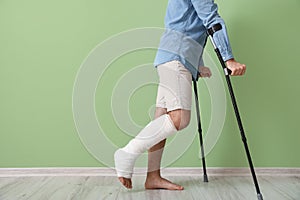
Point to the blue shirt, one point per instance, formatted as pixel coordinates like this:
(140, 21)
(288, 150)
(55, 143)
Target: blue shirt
(186, 22)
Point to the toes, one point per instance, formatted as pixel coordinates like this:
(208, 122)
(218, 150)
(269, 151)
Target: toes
(129, 184)
(126, 182)
(121, 179)
(175, 186)
(180, 187)
(161, 183)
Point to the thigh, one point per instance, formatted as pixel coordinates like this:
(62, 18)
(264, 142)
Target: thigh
(159, 111)
(175, 90)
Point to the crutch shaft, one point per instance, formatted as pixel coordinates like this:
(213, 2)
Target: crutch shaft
(227, 72)
(243, 136)
(205, 177)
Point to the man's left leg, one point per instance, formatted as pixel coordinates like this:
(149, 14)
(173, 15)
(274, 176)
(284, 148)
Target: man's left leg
(154, 179)
(173, 95)
(155, 152)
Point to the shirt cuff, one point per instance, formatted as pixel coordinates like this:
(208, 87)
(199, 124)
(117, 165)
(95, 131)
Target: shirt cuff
(222, 43)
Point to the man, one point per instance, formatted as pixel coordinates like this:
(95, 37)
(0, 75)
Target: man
(177, 61)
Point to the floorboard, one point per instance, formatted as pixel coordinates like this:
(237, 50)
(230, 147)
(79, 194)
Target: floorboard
(108, 188)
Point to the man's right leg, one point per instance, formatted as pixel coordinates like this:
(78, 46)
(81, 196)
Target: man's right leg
(154, 159)
(156, 131)
(175, 88)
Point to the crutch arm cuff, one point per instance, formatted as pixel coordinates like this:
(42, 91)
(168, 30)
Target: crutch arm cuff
(214, 29)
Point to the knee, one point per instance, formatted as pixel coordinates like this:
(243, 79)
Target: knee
(180, 118)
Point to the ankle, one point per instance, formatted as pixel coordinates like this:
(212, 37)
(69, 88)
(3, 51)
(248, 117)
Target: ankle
(153, 174)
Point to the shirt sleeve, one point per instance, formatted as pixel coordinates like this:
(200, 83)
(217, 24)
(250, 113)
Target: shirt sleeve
(207, 11)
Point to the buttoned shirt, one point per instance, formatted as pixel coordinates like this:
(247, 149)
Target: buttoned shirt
(184, 38)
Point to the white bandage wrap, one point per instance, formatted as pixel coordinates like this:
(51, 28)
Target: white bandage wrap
(157, 130)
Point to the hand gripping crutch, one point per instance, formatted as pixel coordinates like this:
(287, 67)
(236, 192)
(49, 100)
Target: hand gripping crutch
(211, 32)
(205, 178)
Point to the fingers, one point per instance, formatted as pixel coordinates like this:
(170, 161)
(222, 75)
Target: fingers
(204, 72)
(237, 69)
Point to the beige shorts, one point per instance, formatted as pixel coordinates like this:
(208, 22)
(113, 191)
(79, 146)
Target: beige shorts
(175, 89)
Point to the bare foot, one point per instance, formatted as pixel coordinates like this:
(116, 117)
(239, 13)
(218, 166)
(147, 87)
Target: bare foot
(126, 182)
(161, 183)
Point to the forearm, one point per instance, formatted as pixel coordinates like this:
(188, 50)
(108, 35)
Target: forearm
(207, 11)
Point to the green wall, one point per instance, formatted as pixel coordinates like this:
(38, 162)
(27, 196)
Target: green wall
(43, 44)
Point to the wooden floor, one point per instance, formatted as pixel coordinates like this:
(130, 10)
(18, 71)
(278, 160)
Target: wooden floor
(107, 187)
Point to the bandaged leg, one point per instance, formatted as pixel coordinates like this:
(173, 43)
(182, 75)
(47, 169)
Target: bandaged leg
(154, 132)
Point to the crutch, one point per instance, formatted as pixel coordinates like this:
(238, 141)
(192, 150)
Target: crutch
(211, 32)
(205, 178)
